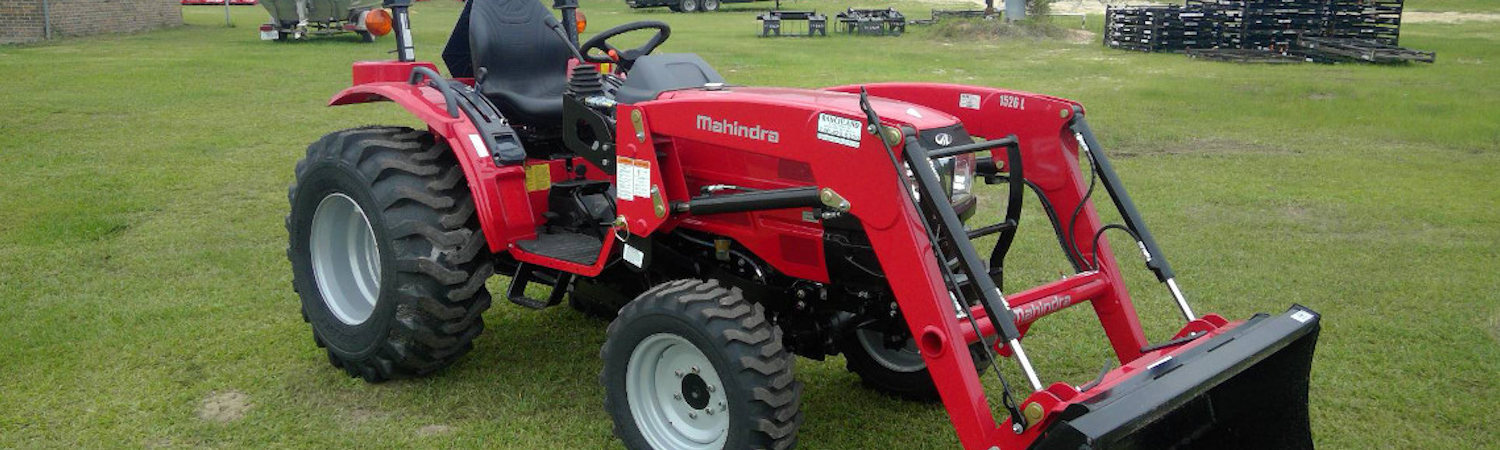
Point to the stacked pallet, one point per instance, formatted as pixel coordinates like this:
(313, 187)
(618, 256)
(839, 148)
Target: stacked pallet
(1158, 28)
(1371, 20)
(1264, 24)
(1294, 30)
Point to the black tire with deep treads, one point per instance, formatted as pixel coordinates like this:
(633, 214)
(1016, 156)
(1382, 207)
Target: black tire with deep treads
(744, 347)
(433, 258)
(916, 385)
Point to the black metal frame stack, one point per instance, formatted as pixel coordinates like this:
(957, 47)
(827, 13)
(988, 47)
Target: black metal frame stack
(1159, 28)
(1374, 20)
(1298, 30)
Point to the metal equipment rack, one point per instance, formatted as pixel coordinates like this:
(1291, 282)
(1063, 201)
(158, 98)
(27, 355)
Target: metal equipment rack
(875, 22)
(774, 22)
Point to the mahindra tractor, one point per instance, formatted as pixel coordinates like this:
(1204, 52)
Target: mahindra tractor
(723, 229)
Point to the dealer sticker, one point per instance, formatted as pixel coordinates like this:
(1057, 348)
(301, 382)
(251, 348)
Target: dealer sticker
(839, 130)
(1302, 316)
(970, 101)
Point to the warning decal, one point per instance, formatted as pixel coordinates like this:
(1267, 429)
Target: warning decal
(632, 178)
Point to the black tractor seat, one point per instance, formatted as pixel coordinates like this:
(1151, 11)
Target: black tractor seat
(525, 62)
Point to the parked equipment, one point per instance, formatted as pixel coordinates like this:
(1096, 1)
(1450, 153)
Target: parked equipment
(299, 19)
(876, 22)
(685, 6)
(778, 23)
(726, 228)
(218, 2)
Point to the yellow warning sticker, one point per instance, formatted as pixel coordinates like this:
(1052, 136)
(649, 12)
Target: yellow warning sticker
(538, 177)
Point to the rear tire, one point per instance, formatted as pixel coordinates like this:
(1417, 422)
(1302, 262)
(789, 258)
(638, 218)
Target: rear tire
(710, 5)
(690, 364)
(386, 252)
(688, 6)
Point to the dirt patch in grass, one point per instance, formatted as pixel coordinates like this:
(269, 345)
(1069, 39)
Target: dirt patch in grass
(1447, 17)
(1495, 327)
(224, 407)
(434, 430)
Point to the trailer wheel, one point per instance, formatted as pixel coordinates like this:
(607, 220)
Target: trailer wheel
(710, 5)
(687, 6)
(690, 364)
(386, 252)
(900, 371)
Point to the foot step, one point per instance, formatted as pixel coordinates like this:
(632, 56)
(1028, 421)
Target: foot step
(575, 248)
(527, 274)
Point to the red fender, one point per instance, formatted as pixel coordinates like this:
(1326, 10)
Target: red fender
(500, 195)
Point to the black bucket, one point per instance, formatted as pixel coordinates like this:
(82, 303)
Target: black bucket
(1246, 388)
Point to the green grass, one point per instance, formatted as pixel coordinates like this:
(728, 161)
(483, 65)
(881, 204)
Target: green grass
(1452, 5)
(142, 267)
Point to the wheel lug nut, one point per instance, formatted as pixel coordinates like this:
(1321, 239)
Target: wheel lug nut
(676, 396)
(695, 369)
(692, 415)
(710, 411)
(711, 388)
(678, 373)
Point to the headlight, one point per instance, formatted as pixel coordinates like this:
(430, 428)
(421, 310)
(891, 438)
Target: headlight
(963, 174)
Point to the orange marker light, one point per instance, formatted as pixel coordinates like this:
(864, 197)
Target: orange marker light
(378, 22)
(583, 22)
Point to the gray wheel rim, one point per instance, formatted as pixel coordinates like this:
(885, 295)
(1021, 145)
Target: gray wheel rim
(345, 258)
(658, 377)
(906, 359)
(690, 5)
(710, 5)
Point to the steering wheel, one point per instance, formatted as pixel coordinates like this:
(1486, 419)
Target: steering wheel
(626, 58)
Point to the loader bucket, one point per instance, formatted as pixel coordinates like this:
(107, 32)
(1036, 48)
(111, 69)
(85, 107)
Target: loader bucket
(1244, 388)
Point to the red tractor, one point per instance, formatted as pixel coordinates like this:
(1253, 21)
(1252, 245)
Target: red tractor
(725, 229)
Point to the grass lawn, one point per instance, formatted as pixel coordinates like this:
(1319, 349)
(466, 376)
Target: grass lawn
(146, 300)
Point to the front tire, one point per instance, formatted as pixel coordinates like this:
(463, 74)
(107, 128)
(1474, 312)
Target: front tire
(690, 364)
(386, 252)
(688, 6)
(896, 371)
(710, 5)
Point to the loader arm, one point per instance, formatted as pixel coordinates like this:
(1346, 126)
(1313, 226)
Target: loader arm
(1215, 383)
(1050, 155)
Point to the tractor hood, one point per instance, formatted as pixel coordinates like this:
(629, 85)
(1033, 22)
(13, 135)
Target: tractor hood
(919, 117)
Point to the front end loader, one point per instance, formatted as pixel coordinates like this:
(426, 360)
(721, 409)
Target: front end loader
(724, 230)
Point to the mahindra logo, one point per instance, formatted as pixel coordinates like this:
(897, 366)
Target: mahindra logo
(734, 128)
(943, 139)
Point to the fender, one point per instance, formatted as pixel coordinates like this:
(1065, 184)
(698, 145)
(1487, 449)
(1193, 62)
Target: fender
(500, 195)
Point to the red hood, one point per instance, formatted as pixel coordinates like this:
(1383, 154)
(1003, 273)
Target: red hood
(919, 117)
